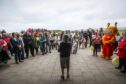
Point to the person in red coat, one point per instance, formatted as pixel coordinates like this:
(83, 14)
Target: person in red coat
(122, 54)
(3, 51)
(3, 43)
(7, 40)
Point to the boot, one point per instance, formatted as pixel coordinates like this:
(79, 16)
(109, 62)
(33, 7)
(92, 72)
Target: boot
(108, 58)
(103, 56)
(62, 77)
(119, 67)
(123, 71)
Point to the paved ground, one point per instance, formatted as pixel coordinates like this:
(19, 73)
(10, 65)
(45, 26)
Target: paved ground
(85, 69)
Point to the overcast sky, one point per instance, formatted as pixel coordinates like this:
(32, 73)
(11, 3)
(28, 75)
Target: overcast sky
(17, 15)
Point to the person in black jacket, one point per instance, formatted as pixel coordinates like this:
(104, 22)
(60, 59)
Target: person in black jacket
(85, 35)
(90, 36)
(65, 50)
(26, 44)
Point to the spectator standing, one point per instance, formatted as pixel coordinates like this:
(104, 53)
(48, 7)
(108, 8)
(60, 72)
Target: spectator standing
(19, 37)
(37, 43)
(85, 35)
(122, 54)
(17, 47)
(96, 42)
(43, 44)
(65, 50)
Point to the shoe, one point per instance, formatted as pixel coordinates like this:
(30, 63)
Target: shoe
(27, 56)
(118, 68)
(62, 77)
(16, 62)
(9, 58)
(123, 71)
(20, 61)
(103, 56)
(5, 62)
(68, 76)
(108, 58)
(24, 58)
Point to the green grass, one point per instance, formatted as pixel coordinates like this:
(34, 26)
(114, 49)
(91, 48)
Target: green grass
(121, 31)
(56, 31)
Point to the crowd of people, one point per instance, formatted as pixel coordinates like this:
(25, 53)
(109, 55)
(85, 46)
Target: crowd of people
(30, 42)
(21, 45)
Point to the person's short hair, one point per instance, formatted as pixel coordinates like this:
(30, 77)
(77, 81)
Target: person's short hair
(13, 34)
(18, 35)
(66, 38)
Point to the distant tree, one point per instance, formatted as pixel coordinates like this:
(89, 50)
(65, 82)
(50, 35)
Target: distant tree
(56, 31)
(101, 29)
(3, 31)
(22, 31)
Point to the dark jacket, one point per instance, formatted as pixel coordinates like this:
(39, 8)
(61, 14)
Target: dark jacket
(65, 49)
(26, 41)
(16, 43)
(29, 41)
(85, 35)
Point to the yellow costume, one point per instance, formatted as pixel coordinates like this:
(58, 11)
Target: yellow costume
(108, 41)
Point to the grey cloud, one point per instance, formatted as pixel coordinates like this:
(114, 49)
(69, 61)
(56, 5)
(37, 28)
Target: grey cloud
(62, 14)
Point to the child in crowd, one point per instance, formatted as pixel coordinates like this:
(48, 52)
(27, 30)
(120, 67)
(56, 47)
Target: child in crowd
(83, 43)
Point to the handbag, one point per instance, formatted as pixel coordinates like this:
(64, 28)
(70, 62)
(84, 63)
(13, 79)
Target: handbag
(92, 48)
(115, 60)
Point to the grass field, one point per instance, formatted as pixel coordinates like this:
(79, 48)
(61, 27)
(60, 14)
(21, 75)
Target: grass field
(121, 31)
(58, 31)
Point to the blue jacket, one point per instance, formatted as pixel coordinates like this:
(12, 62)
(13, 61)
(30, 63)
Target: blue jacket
(42, 41)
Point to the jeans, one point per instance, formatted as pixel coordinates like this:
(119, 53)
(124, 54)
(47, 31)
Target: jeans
(32, 50)
(36, 49)
(122, 63)
(17, 56)
(48, 48)
(43, 49)
(22, 54)
(96, 47)
(27, 51)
